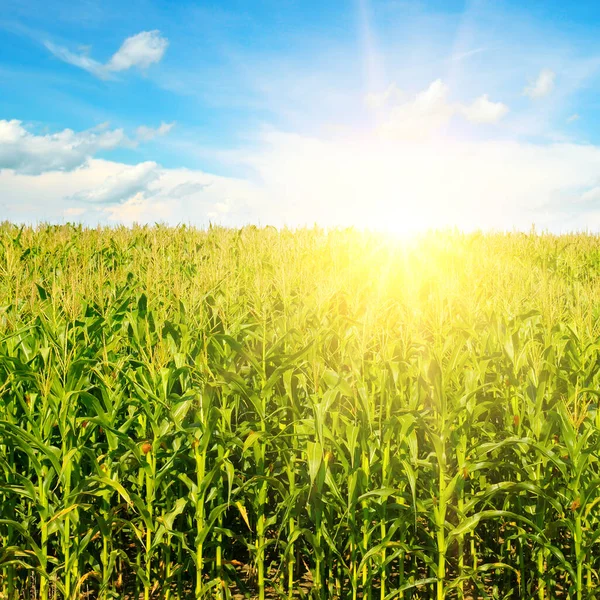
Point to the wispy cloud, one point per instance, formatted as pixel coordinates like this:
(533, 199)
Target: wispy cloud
(145, 134)
(81, 60)
(542, 86)
(467, 54)
(140, 51)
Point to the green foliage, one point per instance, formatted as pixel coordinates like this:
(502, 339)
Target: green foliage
(185, 414)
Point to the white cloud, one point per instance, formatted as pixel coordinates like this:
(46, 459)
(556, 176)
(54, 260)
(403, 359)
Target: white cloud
(218, 210)
(26, 152)
(196, 196)
(429, 111)
(378, 101)
(389, 185)
(146, 134)
(74, 211)
(138, 209)
(482, 110)
(188, 188)
(542, 86)
(419, 118)
(140, 50)
(118, 188)
(366, 181)
(404, 187)
(466, 54)
(81, 60)
(573, 118)
(591, 195)
(107, 191)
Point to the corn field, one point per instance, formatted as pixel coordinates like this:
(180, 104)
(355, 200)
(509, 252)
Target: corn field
(298, 414)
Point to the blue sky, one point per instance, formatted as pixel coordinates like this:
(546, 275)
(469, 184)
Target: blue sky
(393, 114)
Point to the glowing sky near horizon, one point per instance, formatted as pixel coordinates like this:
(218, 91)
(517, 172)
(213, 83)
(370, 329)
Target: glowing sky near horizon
(387, 114)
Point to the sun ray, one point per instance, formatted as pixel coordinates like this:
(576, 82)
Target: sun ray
(373, 63)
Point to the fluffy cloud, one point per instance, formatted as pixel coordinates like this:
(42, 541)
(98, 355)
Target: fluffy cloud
(384, 184)
(140, 50)
(429, 111)
(378, 101)
(138, 209)
(187, 188)
(107, 191)
(369, 181)
(420, 117)
(26, 152)
(542, 86)
(120, 187)
(404, 187)
(482, 110)
(145, 134)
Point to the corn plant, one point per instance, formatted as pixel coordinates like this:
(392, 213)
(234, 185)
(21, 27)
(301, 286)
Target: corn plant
(329, 414)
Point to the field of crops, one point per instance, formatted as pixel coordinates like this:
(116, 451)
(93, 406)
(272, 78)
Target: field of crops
(274, 414)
